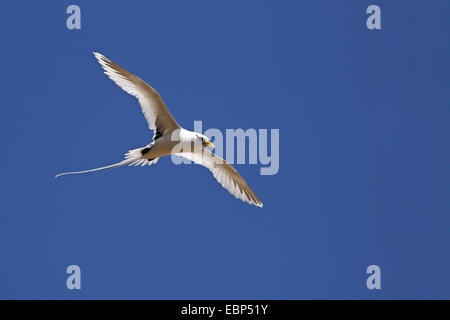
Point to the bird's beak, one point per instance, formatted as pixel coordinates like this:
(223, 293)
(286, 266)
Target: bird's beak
(209, 144)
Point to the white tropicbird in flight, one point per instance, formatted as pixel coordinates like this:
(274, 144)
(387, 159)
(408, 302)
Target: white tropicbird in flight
(169, 136)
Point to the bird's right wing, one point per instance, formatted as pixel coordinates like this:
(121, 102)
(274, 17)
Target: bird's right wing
(224, 173)
(155, 111)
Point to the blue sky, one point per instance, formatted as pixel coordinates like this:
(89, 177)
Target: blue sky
(363, 118)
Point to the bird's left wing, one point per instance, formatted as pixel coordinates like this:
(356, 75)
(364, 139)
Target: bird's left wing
(224, 173)
(155, 111)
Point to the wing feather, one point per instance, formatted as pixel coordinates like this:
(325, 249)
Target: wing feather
(155, 111)
(225, 174)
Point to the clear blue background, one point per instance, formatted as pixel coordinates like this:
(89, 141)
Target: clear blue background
(364, 153)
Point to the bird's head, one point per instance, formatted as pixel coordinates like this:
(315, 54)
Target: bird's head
(206, 142)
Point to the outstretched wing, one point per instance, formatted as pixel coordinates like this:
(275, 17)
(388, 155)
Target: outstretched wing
(155, 111)
(225, 174)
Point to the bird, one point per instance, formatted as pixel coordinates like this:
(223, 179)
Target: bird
(169, 137)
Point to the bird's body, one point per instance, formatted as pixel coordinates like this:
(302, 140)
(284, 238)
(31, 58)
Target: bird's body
(169, 137)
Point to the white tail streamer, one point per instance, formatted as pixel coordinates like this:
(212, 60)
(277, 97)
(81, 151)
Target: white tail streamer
(116, 165)
(132, 157)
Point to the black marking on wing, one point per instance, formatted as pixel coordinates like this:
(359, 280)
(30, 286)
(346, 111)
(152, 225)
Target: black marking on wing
(157, 134)
(145, 150)
(151, 159)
